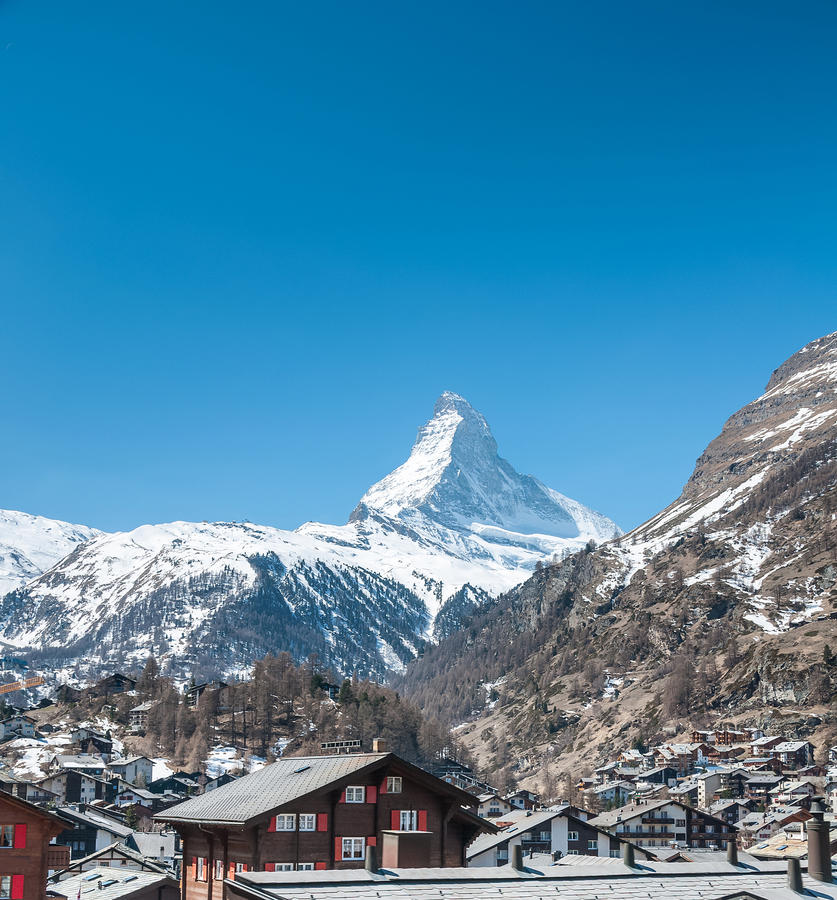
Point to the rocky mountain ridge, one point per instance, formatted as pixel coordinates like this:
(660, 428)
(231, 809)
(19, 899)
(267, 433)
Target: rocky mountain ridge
(724, 604)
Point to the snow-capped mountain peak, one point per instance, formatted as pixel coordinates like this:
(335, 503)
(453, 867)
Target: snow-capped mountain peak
(454, 477)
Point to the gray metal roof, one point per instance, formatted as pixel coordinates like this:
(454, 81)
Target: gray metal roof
(521, 824)
(266, 789)
(707, 880)
(114, 882)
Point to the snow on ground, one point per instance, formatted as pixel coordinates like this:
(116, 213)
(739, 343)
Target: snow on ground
(230, 759)
(161, 769)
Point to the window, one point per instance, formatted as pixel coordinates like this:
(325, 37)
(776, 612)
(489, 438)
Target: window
(286, 822)
(572, 852)
(283, 867)
(614, 854)
(680, 823)
(5, 885)
(7, 837)
(200, 869)
(545, 836)
(502, 854)
(219, 870)
(409, 820)
(393, 784)
(355, 795)
(353, 847)
(593, 845)
(572, 835)
(307, 822)
(241, 867)
(305, 867)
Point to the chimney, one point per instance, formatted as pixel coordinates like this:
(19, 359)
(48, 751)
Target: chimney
(795, 876)
(516, 858)
(732, 851)
(379, 745)
(819, 845)
(371, 863)
(628, 854)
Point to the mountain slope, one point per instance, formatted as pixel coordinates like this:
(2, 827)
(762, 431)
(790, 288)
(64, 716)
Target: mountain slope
(29, 545)
(720, 605)
(455, 525)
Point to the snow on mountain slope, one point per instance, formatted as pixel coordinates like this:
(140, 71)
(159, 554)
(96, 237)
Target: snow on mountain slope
(453, 525)
(30, 544)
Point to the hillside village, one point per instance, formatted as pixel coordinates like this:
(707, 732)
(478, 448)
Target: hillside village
(113, 807)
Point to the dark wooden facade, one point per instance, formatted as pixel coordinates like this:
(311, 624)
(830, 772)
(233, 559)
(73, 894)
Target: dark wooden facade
(212, 852)
(25, 833)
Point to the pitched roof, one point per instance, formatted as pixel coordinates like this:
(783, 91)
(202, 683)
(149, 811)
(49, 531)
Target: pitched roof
(108, 883)
(255, 795)
(711, 878)
(118, 847)
(96, 819)
(31, 808)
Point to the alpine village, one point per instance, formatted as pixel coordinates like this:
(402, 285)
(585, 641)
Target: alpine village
(408, 706)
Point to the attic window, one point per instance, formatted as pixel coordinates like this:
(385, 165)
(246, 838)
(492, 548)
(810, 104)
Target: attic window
(301, 769)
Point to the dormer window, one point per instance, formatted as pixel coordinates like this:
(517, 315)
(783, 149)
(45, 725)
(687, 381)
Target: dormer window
(393, 784)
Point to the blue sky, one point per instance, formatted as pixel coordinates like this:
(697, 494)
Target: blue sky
(244, 246)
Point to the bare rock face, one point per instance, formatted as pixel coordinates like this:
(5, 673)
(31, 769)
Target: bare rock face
(721, 605)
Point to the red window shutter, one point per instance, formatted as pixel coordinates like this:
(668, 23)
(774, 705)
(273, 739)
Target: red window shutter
(338, 849)
(17, 887)
(395, 820)
(371, 794)
(422, 819)
(19, 842)
(319, 866)
(343, 797)
(322, 821)
(272, 825)
(383, 788)
(270, 867)
(372, 841)
(195, 863)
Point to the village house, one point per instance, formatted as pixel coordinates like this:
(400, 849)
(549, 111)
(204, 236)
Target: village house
(88, 763)
(137, 770)
(88, 740)
(117, 683)
(16, 727)
(323, 812)
(26, 856)
(664, 822)
(108, 883)
(794, 793)
(523, 799)
(794, 754)
(614, 792)
(88, 829)
(76, 786)
(555, 831)
(127, 855)
(138, 717)
(492, 805)
(194, 693)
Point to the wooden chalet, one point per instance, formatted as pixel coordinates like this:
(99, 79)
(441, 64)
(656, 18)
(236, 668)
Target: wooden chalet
(26, 856)
(322, 812)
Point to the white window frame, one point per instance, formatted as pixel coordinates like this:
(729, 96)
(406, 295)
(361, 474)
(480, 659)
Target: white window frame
(239, 867)
(408, 820)
(307, 821)
(355, 791)
(394, 784)
(200, 869)
(592, 844)
(283, 867)
(572, 835)
(353, 844)
(5, 886)
(7, 838)
(572, 853)
(218, 874)
(287, 820)
(305, 867)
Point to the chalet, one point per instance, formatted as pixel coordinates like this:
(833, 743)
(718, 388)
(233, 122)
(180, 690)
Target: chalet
(88, 829)
(794, 754)
(492, 805)
(322, 812)
(16, 727)
(757, 827)
(174, 784)
(138, 717)
(136, 770)
(793, 793)
(731, 811)
(117, 683)
(554, 831)
(759, 786)
(108, 883)
(763, 745)
(219, 781)
(523, 799)
(88, 740)
(27, 857)
(76, 786)
(660, 775)
(128, 795)
(194, 693)
(162, 847)
(68, 694)
(614, 792)
(126, 855)
(88, 763)
(665, 822)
